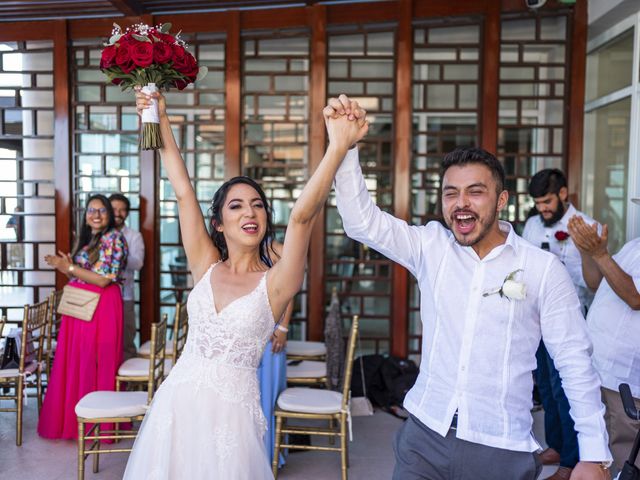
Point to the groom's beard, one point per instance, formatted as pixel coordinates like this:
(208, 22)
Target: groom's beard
(556, 217)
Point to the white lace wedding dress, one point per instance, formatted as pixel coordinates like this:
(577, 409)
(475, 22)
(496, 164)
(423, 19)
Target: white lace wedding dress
(205, 421)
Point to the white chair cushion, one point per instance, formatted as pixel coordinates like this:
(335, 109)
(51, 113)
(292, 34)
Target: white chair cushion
(145, 349)
(307, 369)
(296, 347)
(310, 400)
(139, 367)
(105, 404)
(14, 372)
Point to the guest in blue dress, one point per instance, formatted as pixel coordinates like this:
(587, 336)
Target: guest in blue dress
(272, 372)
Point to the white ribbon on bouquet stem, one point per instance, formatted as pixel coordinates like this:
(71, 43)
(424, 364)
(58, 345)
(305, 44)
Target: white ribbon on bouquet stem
(151, 114)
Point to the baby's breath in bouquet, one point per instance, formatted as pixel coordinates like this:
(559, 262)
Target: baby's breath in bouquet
(154, 59)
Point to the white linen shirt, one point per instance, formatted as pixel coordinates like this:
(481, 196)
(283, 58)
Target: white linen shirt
(478, 351)
(536, 232)
(135, 260)
(615, 327)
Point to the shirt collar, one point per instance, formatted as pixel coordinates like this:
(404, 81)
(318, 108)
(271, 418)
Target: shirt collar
(510, 242)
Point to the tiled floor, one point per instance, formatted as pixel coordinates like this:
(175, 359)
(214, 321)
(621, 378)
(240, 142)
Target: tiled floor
(371, 455)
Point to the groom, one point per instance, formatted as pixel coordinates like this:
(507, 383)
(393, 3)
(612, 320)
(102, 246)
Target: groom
(487, 298)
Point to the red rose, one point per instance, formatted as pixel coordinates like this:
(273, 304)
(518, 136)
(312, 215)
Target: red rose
(188, 67)
(126, 39)
(181, 84)
(170, 39)
(178, 52)
(162, 52)
(561, 236)
(123, 59)
(142, 53)
(108, 58)
(116, 81)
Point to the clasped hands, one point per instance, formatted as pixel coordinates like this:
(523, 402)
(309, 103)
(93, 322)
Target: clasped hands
(586, 237)
(61, 262)
(345, 121)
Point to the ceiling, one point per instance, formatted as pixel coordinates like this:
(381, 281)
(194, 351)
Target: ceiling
(11, 10)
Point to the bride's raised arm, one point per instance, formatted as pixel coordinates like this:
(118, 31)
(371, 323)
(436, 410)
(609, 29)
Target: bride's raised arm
(198, 246)
(285, 278)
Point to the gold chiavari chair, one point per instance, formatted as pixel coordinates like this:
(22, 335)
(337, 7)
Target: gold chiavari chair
(30, 368)
(179, 335)
(313, 404)
(53, 329)
(303, 350)
(118, 407)
(307, 372)
(134, 370)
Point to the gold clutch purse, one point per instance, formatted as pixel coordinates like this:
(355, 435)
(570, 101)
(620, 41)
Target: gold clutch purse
(78, 303)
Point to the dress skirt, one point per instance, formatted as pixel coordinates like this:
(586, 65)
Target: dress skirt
(87, 358)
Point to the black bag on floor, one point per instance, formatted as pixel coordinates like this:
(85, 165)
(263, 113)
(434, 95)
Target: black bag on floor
(387, 379)
(10, 356)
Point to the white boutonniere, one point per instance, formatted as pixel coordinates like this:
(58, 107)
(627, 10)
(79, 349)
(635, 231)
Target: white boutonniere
(510, 288)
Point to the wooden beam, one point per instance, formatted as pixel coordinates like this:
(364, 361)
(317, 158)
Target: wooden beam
(150, 273)
(490, 78)
(61, 143)
(198, 22)
(14, 31)
(129, 7)
(274, 18)
(402, 171)
(233, 110)
(575, 125)
(101, 27)
(447, 8)
(317, 16)
(362, 12)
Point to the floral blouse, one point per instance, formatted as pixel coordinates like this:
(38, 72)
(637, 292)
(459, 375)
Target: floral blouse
(112, 259)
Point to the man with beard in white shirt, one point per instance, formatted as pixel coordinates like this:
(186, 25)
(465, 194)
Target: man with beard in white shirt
(613, 322)
(135, 261)
(487, 298)
(549, 231)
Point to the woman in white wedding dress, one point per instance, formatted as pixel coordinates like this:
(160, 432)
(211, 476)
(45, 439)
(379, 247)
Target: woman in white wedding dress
(205, 421)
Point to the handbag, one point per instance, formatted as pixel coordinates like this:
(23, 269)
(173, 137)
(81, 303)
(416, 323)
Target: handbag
(78, 303)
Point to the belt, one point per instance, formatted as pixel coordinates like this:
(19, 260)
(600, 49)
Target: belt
(454, 422)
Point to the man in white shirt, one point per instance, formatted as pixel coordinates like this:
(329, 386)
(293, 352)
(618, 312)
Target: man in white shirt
(487, 297)
(135, 260)
(613, 322)
(548, 230)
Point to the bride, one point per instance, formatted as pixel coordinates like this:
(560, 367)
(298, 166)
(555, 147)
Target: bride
(205, 420)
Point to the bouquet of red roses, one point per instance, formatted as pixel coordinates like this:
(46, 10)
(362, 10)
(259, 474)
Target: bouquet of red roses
(152, 58)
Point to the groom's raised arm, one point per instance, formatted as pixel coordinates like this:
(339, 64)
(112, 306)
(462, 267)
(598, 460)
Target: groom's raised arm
(365, 222)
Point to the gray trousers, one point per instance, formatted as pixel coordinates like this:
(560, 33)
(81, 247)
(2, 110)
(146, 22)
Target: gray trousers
(129, 330)
(422, 454)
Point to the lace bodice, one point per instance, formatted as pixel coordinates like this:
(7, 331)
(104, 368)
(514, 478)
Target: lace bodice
(235, 336)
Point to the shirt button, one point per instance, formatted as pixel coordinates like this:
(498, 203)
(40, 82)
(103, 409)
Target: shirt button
(462, 368)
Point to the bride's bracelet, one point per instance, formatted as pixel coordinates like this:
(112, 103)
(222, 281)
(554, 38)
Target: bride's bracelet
(282, 328)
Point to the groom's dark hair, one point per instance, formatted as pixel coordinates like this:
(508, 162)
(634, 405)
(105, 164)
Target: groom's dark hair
(466, 156)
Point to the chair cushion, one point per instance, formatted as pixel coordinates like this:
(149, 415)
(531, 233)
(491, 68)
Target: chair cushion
(307, 369)
(14, 372)
(296, 347)
(310, 400)
(145, 349)
(139, 367)
(104, 404)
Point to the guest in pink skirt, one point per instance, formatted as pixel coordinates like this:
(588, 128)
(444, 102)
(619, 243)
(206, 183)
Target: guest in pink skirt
(88, 354)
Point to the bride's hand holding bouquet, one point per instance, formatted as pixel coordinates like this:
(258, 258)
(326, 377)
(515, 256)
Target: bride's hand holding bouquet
(152, 59)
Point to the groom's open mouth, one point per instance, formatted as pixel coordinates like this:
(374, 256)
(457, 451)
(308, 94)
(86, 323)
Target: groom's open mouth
(464, 222)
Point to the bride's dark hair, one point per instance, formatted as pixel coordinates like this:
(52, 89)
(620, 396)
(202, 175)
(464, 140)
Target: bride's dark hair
(215, 218)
